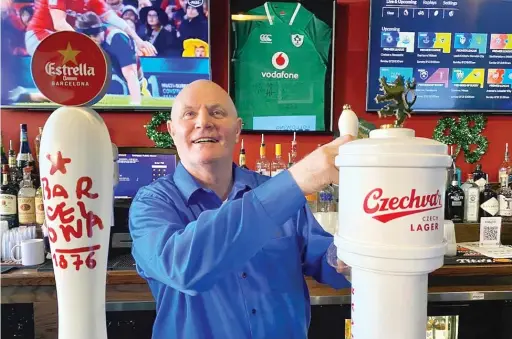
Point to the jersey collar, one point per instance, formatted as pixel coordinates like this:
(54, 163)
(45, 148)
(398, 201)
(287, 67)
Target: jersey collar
(271, 13)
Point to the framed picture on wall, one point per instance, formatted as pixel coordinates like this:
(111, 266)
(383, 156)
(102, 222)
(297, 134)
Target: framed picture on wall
(281, 70)
(177, 29)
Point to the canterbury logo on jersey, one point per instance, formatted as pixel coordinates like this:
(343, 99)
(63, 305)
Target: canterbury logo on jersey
(266, 38)
(280, 61)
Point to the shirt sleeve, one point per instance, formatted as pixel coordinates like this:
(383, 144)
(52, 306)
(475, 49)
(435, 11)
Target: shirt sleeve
(191, 257)
(122, 50)
(99, 7)
(241, 30)
(321, 34)
(317, 241)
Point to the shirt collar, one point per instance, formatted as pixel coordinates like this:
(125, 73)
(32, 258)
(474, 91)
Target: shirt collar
(188, 185)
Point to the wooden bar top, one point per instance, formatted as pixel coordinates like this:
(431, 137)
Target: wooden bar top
(128, 285)
(31, 277)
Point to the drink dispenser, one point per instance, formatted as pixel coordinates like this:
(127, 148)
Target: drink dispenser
(77, 167)
(390, 229)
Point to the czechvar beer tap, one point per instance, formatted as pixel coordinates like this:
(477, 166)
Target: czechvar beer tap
(390, 224)
(77, 167)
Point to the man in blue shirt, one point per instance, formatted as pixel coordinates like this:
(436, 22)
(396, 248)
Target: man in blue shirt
(224, 249)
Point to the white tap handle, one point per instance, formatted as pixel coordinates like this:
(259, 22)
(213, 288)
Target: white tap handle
(77, 180)
(348, 123)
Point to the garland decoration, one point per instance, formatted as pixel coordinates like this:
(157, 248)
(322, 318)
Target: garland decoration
(463, 133)
(161, 139)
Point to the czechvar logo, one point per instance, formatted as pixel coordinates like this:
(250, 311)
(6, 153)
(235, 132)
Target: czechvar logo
(385, 209)
(70, 69)
(280, 61)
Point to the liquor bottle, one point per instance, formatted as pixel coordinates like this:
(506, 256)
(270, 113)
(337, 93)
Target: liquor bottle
(263, 165)
(8, 199)
(278, 164)
(37, 143)
(39, 206)
(26, 200)
(290, 162)
(471, 200)
(326, 199)
(11, 156)
(293, 159)
(5, 161)
(24, 155)
(480, 177)
(458, 174)
(454, 203)
(505, 200)
(505, 167)
(241, 157)
(13, 169)
(454, 173)
(489, 204)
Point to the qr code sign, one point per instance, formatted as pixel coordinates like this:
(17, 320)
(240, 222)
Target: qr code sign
(490, 233)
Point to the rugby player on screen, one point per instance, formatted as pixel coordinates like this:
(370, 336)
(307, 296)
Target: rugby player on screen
(122, 54)
(59, 15)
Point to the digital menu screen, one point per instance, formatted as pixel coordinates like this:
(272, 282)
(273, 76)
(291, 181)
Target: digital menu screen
(459, 52)
(138, 170)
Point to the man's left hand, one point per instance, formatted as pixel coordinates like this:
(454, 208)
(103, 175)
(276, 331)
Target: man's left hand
(340, 266)
(344, 269)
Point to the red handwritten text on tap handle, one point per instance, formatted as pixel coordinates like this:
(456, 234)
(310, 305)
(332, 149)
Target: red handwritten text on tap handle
(71, 227)
(64, 215)
(75, 254)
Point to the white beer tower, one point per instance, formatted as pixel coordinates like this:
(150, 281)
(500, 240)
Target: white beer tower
(77, 175)
(390, 227)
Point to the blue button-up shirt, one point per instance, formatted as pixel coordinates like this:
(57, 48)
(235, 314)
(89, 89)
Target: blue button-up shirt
(233, 269)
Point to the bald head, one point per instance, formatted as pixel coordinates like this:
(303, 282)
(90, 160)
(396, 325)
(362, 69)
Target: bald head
(202, 92)
(204, 125)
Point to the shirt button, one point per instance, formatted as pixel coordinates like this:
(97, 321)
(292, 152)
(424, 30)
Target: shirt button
(244, 275)
(253, 311)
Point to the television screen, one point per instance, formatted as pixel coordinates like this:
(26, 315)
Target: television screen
(178, 31)
(459, 52)
(140, 168)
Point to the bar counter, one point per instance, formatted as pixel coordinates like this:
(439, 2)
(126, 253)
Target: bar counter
(26, 285)
(128, 293)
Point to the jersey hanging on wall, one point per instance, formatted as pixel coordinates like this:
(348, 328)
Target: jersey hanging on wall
(280, 64)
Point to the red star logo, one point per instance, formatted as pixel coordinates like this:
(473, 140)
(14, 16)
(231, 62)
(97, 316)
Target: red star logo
(58, 163)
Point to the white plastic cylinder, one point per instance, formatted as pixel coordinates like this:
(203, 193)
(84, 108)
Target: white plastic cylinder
(77, 169)
(385, 312)
(391, 228)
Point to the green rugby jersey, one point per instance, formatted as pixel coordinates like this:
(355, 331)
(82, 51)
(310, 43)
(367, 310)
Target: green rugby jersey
(280, 64)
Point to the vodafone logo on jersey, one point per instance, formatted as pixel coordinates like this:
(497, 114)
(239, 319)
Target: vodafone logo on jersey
(70, 69)
(280, 61)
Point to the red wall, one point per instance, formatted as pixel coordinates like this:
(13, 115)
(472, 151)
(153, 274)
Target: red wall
(350, 87)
